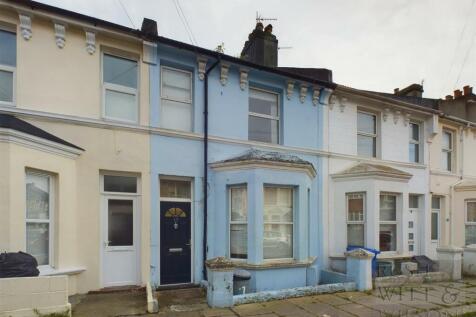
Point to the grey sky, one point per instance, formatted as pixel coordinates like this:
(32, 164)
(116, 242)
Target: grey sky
(368, 44)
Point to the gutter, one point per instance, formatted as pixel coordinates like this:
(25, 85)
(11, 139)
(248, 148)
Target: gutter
(205, 165)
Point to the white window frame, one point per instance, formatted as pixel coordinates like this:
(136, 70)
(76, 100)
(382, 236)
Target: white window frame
(119, 88)
(466, 222)
(125, 174)
(10, 69)
(187, 102)
(293, 193)
(373, 135)
(50, 221)
(449, 150)
(391, 222)
(231, 222)
(417, 142)
(437, 212)
(264, 116)
(356, 222)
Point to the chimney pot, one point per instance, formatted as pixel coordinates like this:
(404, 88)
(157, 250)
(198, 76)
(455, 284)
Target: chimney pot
(467, 90)
(396, 90)
(268, 28)
(458, 93)
(449, 97)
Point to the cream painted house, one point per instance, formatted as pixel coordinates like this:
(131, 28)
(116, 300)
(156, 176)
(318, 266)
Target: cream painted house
(74, 151)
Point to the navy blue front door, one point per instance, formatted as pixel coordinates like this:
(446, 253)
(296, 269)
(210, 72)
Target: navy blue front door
(175, 234)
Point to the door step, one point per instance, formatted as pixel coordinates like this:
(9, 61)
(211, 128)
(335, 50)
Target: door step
(177, 286)
(119, 289)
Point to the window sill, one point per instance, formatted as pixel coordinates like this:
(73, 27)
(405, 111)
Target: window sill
(393, 255)
(275, 264)
(49, 271)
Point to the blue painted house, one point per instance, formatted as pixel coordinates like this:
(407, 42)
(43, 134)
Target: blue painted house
(236, 163)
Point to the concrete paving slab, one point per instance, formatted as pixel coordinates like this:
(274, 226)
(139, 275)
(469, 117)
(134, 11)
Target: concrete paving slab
(322, 309)
(111, 304)
(359, 310)
(331, 299)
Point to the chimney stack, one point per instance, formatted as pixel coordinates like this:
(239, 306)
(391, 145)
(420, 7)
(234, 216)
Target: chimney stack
(396, 91)
(467, 90)
(449, 97)
(458, 93)
(149, 27)
(261, 47)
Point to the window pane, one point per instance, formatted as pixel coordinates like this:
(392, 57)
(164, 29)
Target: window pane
(355, 235)
(176, 85)
(366, 146)
(446, 160)
(262, 129)
(37, 241)
(121, 106)
(277, 241)
(120, 222)
(120, 71)
(6, 86)
(263, 102)
(388, 208)
(446, 141)
(176, 115)
(239, 205)
(435, 202)
(471, 211)
(278, 204)
(388, 237)
(123, 184)
(413, 201)
(238, 241)
(366, 123)
(355, 208)
(434, 226)
(8, 48)
(414, 132)
(470, 234)
(37, 196)
(414, 152)
(175, 189)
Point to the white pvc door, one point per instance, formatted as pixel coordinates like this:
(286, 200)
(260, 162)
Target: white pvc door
(119, 241)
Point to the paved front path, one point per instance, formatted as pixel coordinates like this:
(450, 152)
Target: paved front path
(437, 299)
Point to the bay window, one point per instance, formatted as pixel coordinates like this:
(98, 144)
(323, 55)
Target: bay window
(263, 119)
(414, 142)
(388, 222)
(356, 219)
(39, 217)
(470, 232)
(8, 61)
(366, 134)
(278, 223)
(120, 78)
(447, 151)
(238, 222)
(176, 108)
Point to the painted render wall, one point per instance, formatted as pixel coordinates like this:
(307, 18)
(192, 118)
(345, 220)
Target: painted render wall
(181, 154)
(78, 241)
(392, 151)
(68, 80)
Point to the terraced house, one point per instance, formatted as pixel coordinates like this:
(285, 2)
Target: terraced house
(129, 158)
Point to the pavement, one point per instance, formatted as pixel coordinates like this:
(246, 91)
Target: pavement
(435, 299)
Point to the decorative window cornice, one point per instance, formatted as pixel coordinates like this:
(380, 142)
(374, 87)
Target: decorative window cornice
(25, 26)
(90, 42)
(289, 89)
(315, 95)
(302, 93)
(60, 34)
(224, 69)
(243, 78)
(202, 67)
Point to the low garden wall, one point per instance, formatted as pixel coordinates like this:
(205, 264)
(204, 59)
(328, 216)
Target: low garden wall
(22, 296)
